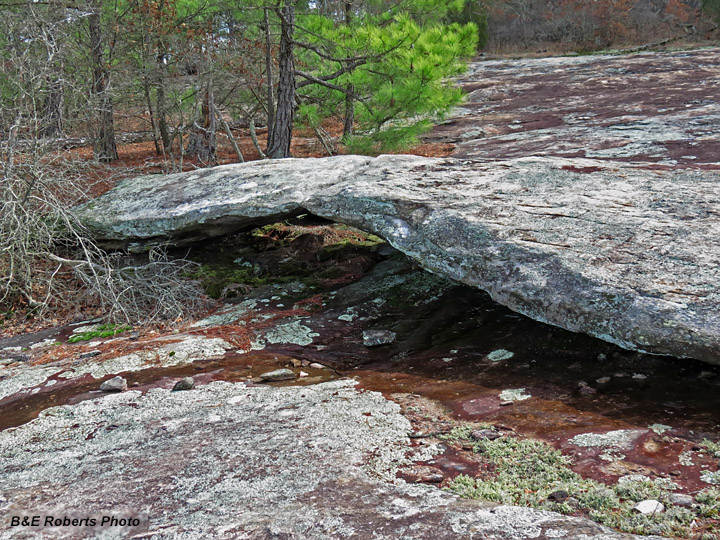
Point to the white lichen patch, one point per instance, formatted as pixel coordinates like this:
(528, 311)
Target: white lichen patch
(86, 328)
(710, 477)
(349, 316)
(184, 352)
(18, 379)
(514, 394)
(228, 315)
(290, 333)
(685, 459)
(499, 355)
(622, 438)
(44, 343)
(611, 456)
(659, 428)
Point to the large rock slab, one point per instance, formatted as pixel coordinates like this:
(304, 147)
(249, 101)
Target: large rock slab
(233, 461)
(660, 110)
(625, 254)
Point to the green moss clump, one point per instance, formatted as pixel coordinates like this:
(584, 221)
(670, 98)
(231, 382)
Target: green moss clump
(525, 472)
(711, 447)
(104, 330)
(217, 280)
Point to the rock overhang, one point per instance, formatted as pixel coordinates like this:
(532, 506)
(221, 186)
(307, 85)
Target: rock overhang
(619, 252)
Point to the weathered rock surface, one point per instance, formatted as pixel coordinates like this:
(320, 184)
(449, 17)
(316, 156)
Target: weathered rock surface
(621, 253)
(321, 473)
(660, 110)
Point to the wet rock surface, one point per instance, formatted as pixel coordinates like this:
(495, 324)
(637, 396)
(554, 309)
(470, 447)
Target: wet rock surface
(256, 479)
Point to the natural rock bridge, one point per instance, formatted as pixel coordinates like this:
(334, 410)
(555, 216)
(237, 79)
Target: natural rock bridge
(621, 253)
(583, 191)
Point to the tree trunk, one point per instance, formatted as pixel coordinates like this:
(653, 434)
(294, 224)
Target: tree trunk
(349, 113)
(53, 119)
(104, 144)
(349, 101)
(203, 143)
(269, 75)
(161, 108)
(282, 128)
(151, 112)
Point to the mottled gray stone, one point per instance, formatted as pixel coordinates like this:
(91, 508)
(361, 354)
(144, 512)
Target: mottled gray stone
(375, 338)
(681, 499)
(184, 384)
(116, 384)
(283, 374)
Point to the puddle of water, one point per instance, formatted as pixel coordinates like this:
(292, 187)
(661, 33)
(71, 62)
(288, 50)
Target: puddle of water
(24, 407)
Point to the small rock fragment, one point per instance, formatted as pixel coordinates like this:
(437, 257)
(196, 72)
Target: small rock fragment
(88, 354)
(425, 475)
(489, 434)
(587, 391)
(116, 384)
(514, 394)
(659, 428)
(639, 376)
(506, 403)
(603, 380)
(499, 355)
(602, 357)
(315, 365)
(649, 507)
(558, 496)
(375, 338)
(184, 384)
(303, 374)
(681, 499)
(278, 375)
(295, 362)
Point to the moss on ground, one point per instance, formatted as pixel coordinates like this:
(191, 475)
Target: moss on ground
(711, 447)
(104, 330)
(228, 280)
(526, 472)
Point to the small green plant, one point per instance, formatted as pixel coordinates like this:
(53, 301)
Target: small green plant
(639, 490)
(104, 330)
(526, 472)
(711, 447)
